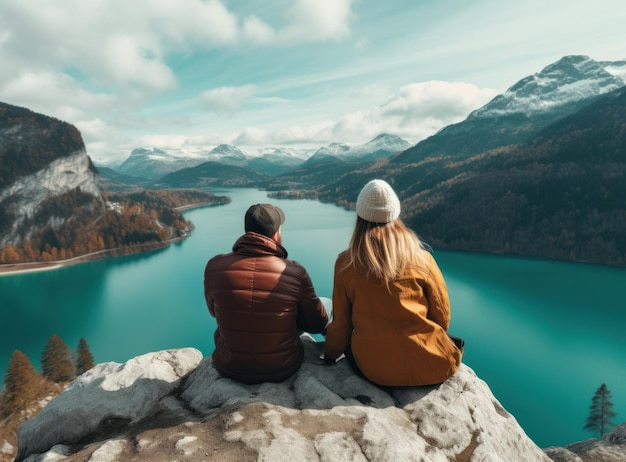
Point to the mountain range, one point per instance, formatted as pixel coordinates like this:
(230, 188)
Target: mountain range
(533, 103)
(384, 145)
(154, 163)
(538, 171)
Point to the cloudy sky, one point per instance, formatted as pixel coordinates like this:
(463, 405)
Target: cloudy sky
(197, 73)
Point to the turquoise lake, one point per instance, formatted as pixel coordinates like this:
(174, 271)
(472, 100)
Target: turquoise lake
(544, 335)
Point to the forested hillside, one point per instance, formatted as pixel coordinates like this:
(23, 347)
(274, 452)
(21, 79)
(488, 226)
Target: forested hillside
(139, 220)
(558, 195)
(211, 174)
(561, 195)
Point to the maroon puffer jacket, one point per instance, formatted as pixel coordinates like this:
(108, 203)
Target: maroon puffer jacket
(260, 300)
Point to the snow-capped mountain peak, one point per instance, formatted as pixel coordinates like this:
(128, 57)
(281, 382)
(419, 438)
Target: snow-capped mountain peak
(227, 150)
(333, 149)
(382, 145)
(387, 142)
(154, 162)
(567, 81)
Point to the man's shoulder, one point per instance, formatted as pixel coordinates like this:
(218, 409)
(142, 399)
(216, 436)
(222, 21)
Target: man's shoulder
(219, 259)
(220, 256)
(293, 264)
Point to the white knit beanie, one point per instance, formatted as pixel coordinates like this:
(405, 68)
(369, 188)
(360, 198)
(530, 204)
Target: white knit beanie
(378, 203)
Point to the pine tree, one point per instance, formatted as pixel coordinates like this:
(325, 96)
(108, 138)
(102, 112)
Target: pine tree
(56, 364)
(21, 384)
(600, 412)
(84, 360)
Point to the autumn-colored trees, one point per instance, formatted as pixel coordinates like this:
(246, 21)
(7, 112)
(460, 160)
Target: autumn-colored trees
(56, 364)
(84, 359)
(130, 221)
(22, 384)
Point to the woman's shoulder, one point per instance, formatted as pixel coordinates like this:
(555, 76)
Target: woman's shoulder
(343, 254)
(422, 263)
(342, 261)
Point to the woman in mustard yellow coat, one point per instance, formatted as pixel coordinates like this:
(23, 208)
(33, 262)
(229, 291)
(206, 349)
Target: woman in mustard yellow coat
(391, 310)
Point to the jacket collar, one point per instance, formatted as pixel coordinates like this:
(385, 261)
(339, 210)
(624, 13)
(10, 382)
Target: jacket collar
(255, 244)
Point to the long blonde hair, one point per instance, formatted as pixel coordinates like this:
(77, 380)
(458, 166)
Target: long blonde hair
(385, 250)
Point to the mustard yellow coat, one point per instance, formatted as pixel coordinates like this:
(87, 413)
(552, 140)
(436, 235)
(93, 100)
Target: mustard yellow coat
(398, 334)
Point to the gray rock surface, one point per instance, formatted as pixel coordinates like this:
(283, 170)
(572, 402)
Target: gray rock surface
(59, 177)
(611, 448)
(173, 405)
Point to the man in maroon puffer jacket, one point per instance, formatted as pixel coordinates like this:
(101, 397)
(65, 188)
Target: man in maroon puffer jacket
(261, 301)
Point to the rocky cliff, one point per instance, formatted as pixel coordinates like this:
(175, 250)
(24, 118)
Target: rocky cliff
(611, 448)
(173, 405)
(41, 158)
(60, 177)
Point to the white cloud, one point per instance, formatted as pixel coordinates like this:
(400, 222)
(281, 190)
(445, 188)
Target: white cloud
(123, 61)
(417, 111)
(191, 21)
(317, 19)
(164, 141)
(105, 143)
(122, 71)
(313, 133)
(304, 21)
(55, 94)
(414, 112)
(441, 100)
(375, 92)
(253, 136)
(226, 99)
(96, 64)
(258, 32)
(209, 140)
(96, 129)
(116, 42)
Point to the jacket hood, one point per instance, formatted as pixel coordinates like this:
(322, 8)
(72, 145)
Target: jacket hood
(253, 243)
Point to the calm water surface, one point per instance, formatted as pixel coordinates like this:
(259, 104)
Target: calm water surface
(543, 335)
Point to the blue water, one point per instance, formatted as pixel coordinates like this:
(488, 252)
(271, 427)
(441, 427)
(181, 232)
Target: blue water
(543, 335)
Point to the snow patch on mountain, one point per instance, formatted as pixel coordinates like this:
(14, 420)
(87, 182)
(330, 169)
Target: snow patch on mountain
(155, 163)
(570, 80)
(227, 152)
(278, 153)
(618, 70)
(383, 145)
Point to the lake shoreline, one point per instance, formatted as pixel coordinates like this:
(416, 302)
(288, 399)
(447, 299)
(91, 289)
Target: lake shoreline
(534, 332)
(9, 269)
